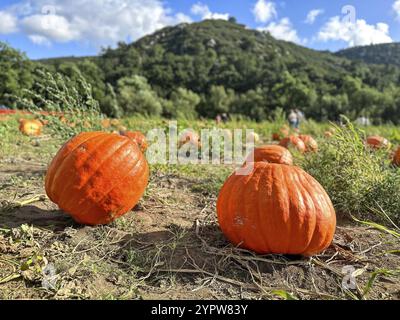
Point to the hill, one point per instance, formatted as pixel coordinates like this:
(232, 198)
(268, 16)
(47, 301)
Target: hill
(388, 53)
(215, 66)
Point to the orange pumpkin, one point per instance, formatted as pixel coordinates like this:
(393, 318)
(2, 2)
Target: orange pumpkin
(272, 154)
(137, 137)
(310, 143)
(276, 209)
(30, 127)
(106, 123)
(295, 142)
(283, 133)
(396, 158)
(377, 142)
(96, 177)
(189, 136)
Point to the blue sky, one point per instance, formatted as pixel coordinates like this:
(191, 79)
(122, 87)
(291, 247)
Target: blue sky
(51, 28)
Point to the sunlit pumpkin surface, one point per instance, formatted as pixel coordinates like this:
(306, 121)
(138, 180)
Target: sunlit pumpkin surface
(377, 142)
(271, 153)
(276, 209)
(137, 137)
(309, 142)
(30, 127)
(293, 142)
(96, 177)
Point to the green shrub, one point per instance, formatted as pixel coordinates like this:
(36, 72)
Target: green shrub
(70, 105)
(360, 181)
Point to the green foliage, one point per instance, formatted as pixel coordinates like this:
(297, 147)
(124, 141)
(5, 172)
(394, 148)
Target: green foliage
(69, 104)
(137, 96)
(232, 69)
(15, 74)
(359, 181)
(182, 104)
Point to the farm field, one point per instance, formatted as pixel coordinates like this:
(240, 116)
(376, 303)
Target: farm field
(170, 245)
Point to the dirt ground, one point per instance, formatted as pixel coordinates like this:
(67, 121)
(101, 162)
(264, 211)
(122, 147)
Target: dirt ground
(170, 247)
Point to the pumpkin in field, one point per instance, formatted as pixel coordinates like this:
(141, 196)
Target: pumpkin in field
(138, 137)
(189, 136)
(310, 143)
(283, 133)
(272, 154)
(328, 134)
(97, 177)
(293, 142)
(377, 142)
(106, 123)
(30, 127)
(276, 209)
(396, 158)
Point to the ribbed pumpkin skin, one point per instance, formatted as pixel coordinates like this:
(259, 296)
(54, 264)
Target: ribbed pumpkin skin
(310, 143)
(137, 137)
(96, 177)
(377, 142)
(293, 141)
(272, 154)
(396, 158)
(276, 209)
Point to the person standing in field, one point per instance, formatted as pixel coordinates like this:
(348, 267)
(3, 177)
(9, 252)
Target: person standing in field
(300, 116)
(293, 119)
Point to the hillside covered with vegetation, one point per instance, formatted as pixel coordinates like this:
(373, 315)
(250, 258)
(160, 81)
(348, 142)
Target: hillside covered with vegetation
(202, 69)
(386, 53)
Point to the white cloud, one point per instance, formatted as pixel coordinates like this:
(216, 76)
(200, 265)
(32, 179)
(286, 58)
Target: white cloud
(40, 40)
(355, 34)
(283, 30)
(8, 23)
(264, 11)
(202, 10)
(396, 8)
(96, 22)
(312, 15)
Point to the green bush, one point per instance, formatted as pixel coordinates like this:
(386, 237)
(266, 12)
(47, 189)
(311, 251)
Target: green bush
(360, 181)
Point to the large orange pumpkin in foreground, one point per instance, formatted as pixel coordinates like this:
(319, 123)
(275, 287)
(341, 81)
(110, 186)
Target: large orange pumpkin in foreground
(396, 158)
(30, 127)
(377, 142)
(272, 154)
(276, 209)
(293, 141)
(309, 142)
(138, 137)
(96, 177)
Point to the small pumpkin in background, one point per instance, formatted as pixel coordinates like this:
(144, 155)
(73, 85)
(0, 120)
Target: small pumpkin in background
(189, 136)
(276, 209)
(106, 123)
(272, 154)
(283, 133)
(30, 127)
(377, 142)
(310, 143)
(396, 158)
(97, 177)
(328, 134)
(293, 142)
(137, 137)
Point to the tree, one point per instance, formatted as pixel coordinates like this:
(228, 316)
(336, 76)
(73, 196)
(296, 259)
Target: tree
(135, 95)
(182, 104)
(15, 74)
